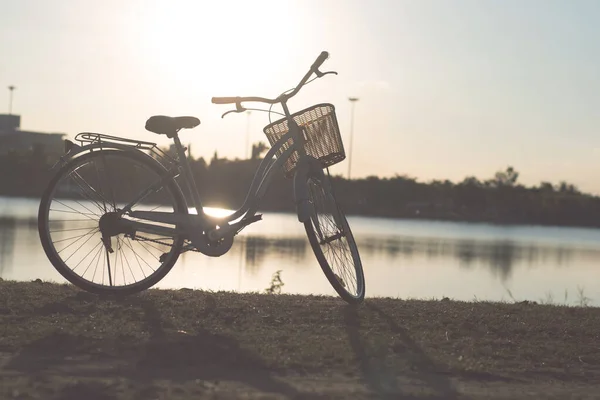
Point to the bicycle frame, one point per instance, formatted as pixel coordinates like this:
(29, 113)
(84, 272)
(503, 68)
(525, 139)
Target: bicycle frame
(260, 183)
(219, 228)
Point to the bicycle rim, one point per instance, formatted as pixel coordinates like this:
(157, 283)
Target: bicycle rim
(85, 190)
(333, 243)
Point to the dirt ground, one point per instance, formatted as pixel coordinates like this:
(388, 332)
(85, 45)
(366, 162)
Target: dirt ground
(57, 342)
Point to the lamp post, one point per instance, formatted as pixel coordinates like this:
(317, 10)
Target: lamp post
(11, 88)
(248, 135)
(353, 101)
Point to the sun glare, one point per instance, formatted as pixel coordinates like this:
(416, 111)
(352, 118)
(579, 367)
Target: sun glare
(213, 45)
(217, 212)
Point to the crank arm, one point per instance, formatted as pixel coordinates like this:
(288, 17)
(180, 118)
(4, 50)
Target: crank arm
(218, 234)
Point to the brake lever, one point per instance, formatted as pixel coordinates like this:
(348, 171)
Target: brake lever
(229, 112)
(238, 109)
(321, 74)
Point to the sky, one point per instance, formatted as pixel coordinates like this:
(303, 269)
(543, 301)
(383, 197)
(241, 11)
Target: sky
(447, 89)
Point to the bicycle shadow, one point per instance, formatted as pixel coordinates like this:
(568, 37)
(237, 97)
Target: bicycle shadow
(384, 380)
(205, 358)
(210, 358)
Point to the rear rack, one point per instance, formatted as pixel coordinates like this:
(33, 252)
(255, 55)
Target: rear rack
(150, 148)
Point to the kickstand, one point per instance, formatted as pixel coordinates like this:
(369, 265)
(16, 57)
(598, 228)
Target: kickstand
(107, 243)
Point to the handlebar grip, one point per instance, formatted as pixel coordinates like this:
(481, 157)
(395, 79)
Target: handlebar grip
(225, 100)
(320, 60)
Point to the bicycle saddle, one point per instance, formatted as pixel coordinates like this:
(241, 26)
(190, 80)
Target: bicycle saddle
(169, 126)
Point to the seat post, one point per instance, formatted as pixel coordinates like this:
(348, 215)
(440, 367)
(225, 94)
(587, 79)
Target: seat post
(187, 174)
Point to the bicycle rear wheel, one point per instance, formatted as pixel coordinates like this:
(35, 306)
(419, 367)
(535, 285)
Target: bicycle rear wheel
(96, 185)
(332, 242)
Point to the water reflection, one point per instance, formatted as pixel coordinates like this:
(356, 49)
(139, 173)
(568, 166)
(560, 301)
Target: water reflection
(499, 256)
(7, 243)
(408, 259)
(257, 248)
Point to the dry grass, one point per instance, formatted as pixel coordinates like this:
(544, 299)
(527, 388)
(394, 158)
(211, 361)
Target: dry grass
(59, 342)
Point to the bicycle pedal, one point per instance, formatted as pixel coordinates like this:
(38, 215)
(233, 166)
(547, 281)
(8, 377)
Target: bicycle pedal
(247, 221)
(255, 218)
(239, 226)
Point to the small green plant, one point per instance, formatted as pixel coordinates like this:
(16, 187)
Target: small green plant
(276, 284)
(582, 299)
(510, 295)
(549, 299)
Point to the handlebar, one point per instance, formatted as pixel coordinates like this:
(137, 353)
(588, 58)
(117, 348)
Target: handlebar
(238, 99)
(320, 60)
(224, 100)
(281, 98)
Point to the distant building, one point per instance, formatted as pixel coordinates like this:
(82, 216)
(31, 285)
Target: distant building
(13, 139)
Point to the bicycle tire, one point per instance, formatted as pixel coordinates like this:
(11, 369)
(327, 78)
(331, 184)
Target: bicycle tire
(179, 206)
(324, 201)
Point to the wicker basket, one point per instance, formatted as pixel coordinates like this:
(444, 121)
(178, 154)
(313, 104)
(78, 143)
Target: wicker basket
(322, 139)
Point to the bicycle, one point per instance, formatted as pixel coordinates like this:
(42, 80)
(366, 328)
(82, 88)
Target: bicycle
(117, 201)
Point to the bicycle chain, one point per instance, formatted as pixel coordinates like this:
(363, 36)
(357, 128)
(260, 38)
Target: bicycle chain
(187, 246)
(159, 242)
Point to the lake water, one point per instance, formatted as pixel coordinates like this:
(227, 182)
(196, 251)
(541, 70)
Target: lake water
(401, 258)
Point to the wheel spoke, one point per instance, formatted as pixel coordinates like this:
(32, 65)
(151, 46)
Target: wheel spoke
(90, 212)
(83, 244)
(96, 256)
(104, 201)
(92, 194)
(136, 256)
(149, 252)
(335, 242)
(81, 237)
(86, 256)
(87, 188)
(70, 230)
(74, 211)
(120, 247)
(74, 237)
(97, 262)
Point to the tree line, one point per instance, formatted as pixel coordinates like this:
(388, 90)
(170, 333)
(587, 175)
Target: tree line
(224, 183)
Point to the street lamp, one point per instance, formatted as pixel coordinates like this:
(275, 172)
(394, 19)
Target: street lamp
(10, 98)
(248, 135)
(353, 100)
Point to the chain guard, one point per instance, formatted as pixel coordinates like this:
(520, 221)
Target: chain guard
(201, 243)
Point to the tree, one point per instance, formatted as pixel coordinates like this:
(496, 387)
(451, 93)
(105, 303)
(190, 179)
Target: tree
(546, 187)
(214, 160)
(569, 188)
(505, 178)
(258, 149)
(471, 181)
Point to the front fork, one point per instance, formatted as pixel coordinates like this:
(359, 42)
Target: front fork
(311, 167)
(307, 166)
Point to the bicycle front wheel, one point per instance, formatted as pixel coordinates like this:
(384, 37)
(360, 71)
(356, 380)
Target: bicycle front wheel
(332, 242)
(97, 185)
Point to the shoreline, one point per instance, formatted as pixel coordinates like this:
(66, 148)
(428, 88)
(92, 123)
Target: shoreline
(450, 220)
(60, 342)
